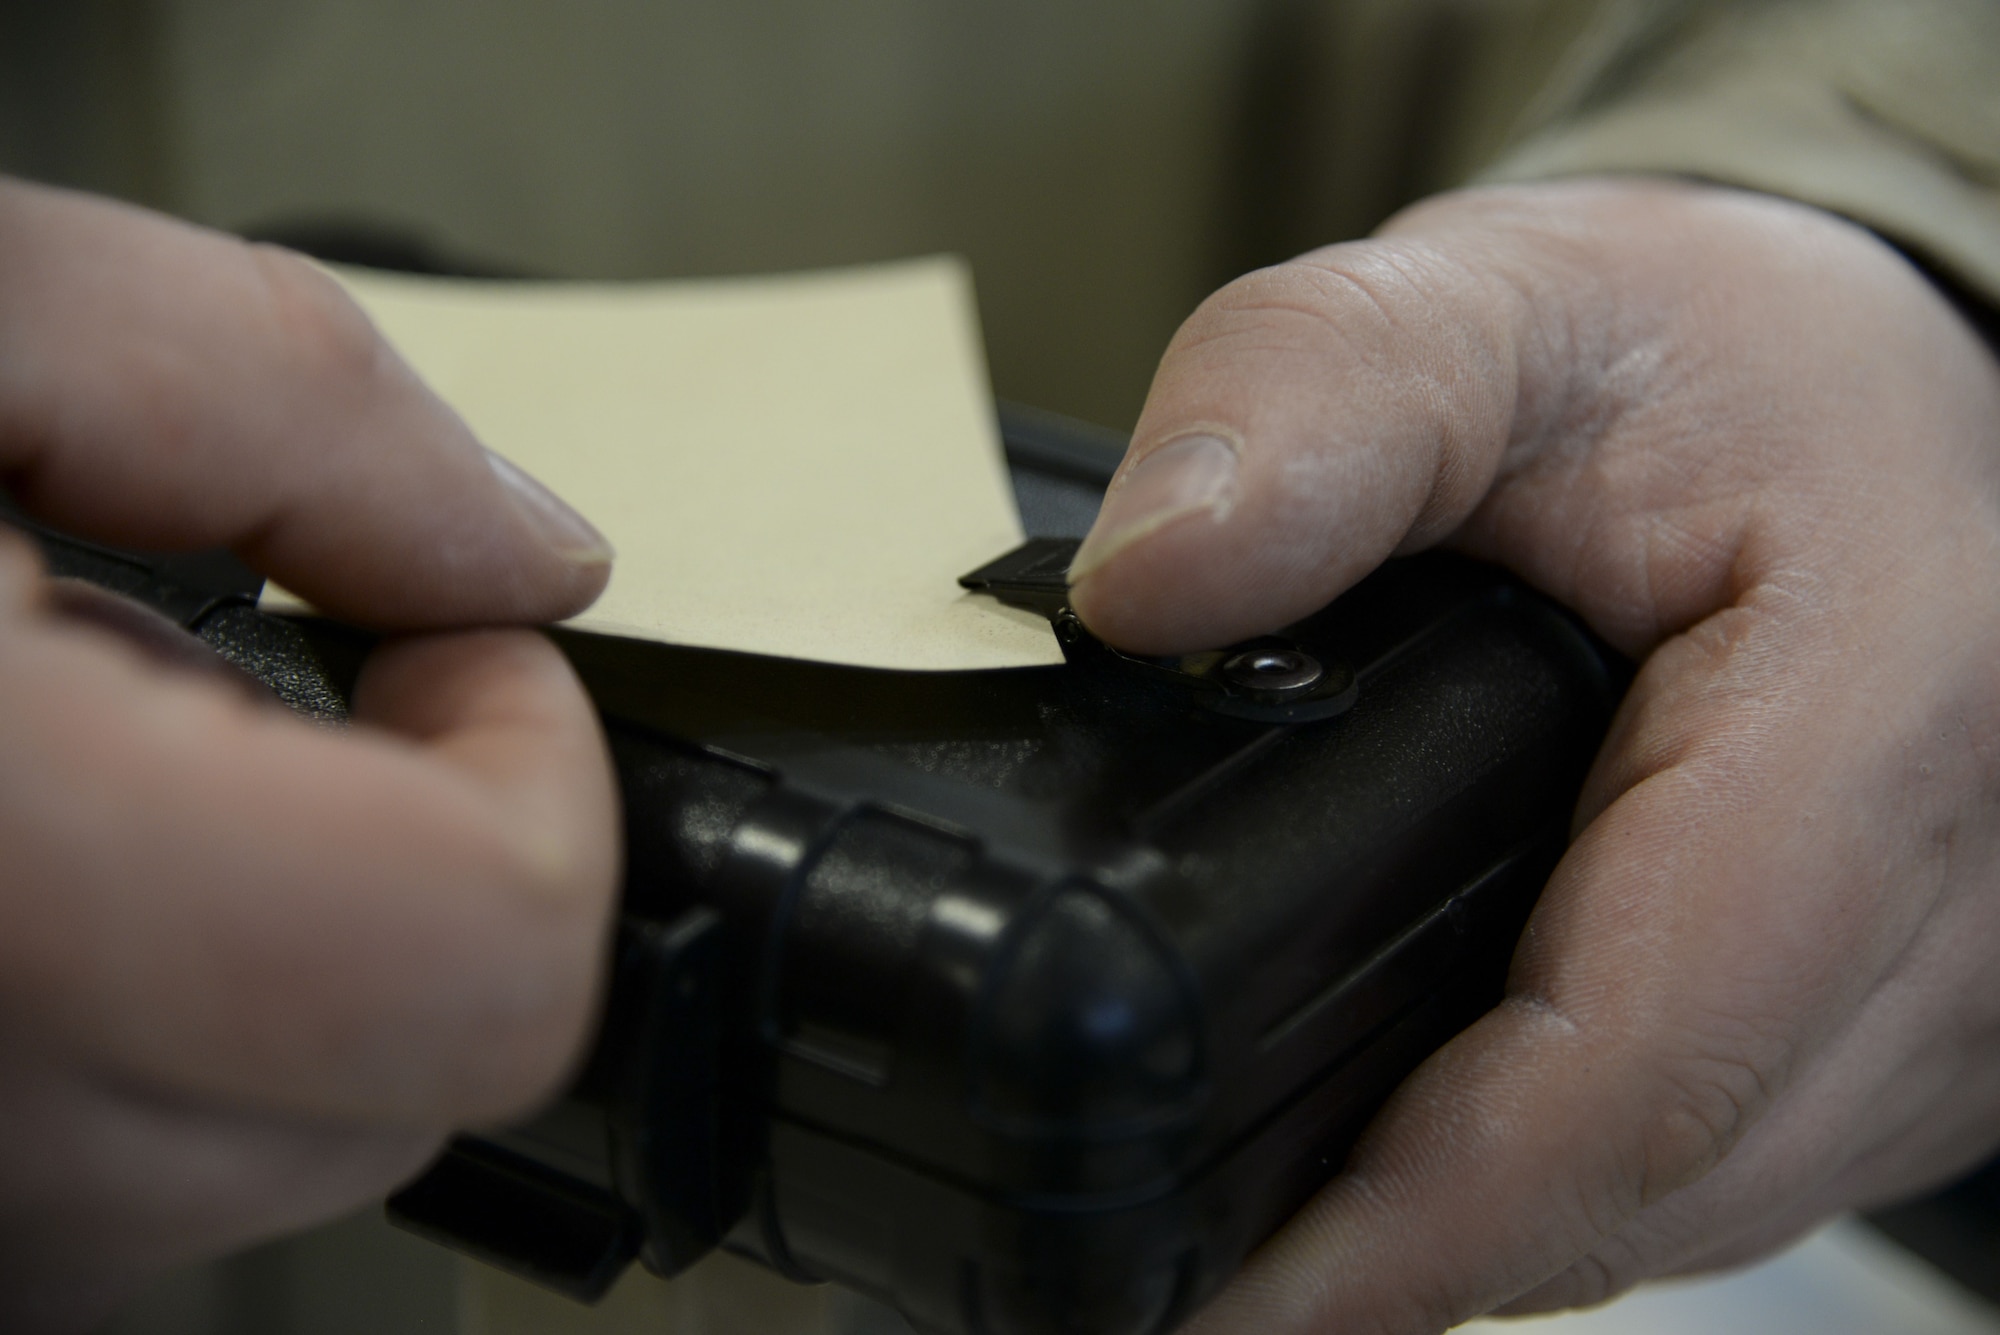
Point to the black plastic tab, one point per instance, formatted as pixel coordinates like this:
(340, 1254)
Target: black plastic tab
(1271, 679)
(666, 1113)
(1034, 575)
(184, 586)
(522, 1216)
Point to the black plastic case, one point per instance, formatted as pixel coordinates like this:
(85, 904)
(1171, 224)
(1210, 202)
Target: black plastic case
(1028, 1001)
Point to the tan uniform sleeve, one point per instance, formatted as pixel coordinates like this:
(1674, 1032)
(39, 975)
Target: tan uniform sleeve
(1888, 114)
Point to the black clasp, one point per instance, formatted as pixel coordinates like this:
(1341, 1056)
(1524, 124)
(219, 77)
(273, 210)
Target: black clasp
(1272, 679)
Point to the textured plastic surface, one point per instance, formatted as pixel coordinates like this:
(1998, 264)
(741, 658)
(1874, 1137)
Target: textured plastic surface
(1051, 993)
(1029, 1001)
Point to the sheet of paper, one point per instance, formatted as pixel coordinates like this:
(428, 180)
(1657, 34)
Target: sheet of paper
(797, 465)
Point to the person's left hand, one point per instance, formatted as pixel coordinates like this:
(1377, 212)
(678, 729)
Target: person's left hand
(253, 971)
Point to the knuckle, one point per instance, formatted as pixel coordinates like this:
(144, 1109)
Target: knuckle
(516, 1050)
(315, 321)
(1588, 1281)
(1608, 1271)
(1705, 1108)
(20, 560)
(1345, 309)
(1418, 333)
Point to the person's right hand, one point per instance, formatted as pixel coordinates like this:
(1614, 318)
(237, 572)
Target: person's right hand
(1755, 447)
(253, 971)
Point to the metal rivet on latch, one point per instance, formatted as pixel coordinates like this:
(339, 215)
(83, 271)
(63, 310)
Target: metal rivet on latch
(1273, 673)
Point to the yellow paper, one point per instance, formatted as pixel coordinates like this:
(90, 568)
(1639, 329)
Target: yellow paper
(799, 466)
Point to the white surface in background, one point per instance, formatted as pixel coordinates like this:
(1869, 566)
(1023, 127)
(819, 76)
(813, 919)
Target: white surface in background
(1845, 1279)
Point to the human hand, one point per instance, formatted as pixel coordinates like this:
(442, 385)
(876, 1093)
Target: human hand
(253, 971)
(1755, 448)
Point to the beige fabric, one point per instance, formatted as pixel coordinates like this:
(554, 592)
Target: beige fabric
(1104, 165)
(1888, 114)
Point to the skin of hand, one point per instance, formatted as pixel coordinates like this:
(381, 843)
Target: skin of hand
(1759, 452)
(253, 971)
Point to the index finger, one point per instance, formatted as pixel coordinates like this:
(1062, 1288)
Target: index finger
(394, 924)
(169, 387)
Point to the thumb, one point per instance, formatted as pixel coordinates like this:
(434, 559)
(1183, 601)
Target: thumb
(1306, 422)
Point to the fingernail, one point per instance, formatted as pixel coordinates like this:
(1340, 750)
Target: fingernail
(1183, 477)
(569, 533)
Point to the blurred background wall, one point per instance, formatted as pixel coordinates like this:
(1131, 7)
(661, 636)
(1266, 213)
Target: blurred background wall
(1103, 163)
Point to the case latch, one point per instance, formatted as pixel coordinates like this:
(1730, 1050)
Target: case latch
(1272, 678)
